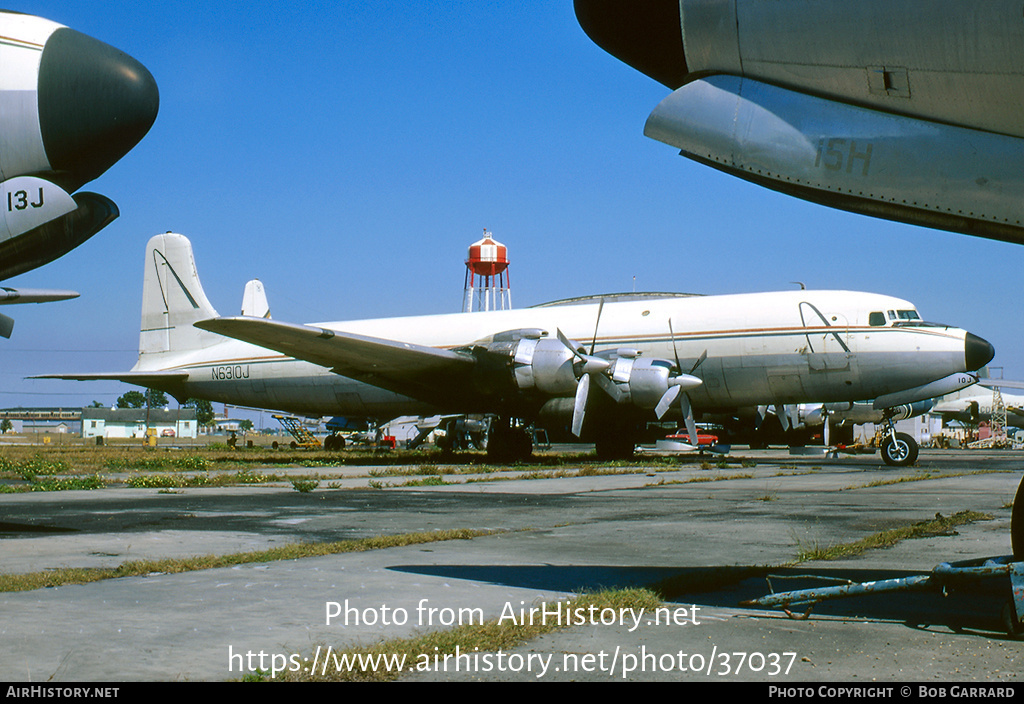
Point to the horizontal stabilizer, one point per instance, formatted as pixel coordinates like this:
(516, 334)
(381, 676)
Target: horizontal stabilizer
(154, 379)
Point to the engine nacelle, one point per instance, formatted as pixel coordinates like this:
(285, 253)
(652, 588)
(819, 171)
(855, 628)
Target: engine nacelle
(40, 245)
(641, 381)
(526, 361)
(855, 158)
(876, 106)
(544, 365)
(26, 202)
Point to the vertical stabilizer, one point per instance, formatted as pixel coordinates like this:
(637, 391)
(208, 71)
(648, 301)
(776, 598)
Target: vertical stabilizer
(172, 299)
(254, 300)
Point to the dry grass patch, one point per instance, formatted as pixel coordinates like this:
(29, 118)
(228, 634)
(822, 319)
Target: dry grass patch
(138, 568)
(940, 525)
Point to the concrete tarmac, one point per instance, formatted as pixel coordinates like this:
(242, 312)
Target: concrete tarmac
(705, 543)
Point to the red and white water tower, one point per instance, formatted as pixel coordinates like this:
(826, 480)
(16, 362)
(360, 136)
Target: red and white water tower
(487, 284)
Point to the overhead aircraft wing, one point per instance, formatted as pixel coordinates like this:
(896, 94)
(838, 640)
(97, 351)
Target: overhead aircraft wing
(10, 296)
(1001, 384)
(427, 373)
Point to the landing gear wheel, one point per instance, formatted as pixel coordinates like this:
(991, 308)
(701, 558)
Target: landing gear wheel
(509, 444)
(901, 452)
(1017, 524)
(334, 442)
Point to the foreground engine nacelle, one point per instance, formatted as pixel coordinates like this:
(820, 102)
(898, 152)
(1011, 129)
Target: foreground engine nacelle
(642, 382)
(90, 213)
(853, 158)
(544, 365)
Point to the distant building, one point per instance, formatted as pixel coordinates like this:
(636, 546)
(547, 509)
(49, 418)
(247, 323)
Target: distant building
(132, 422)
(43, 420)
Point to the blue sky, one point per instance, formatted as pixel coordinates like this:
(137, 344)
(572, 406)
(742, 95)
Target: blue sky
(347, 153)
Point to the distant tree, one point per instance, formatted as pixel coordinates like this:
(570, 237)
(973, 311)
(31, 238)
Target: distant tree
(96, 404)
(155, 398)
(5, 426)
(204, 411)
(245, 424)
(131, 399)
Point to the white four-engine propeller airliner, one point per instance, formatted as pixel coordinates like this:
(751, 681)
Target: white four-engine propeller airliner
(647, 358)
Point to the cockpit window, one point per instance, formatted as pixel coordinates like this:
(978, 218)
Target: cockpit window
(918, 324)
(876, 318)
(892, 315)
(908, 315)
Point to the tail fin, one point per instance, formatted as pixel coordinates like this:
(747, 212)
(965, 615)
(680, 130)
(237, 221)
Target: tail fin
(254, 300)
(172, 299)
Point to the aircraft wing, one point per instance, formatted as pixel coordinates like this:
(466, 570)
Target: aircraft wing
(426, 373)
(1001, 384)
(10, 296)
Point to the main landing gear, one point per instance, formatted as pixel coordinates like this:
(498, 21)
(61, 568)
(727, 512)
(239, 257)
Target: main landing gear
(509, 442)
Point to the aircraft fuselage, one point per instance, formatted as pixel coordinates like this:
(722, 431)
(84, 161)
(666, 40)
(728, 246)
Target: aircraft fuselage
(785, 347)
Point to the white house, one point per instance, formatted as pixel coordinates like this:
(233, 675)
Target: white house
(132, 422)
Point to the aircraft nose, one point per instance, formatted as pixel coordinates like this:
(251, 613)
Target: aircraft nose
(977, 352)
(95, 104)
(646, 35)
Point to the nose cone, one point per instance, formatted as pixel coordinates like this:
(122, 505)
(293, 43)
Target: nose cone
(647, 35)
(95, 104)
(977, 352)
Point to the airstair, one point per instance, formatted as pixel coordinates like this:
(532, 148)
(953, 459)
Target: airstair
(295, 427)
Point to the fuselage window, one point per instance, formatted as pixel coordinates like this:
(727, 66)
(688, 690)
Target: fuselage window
(877, 318)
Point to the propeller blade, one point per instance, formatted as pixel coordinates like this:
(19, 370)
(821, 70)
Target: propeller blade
(780, 411)
(700, 361)
(565, 341)
(691, 424)
(666, 401)
(672, 334)
(610, 388)
(762, 415)
(580, 406)
(591, 364)
(593, 342)
(793, 412)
